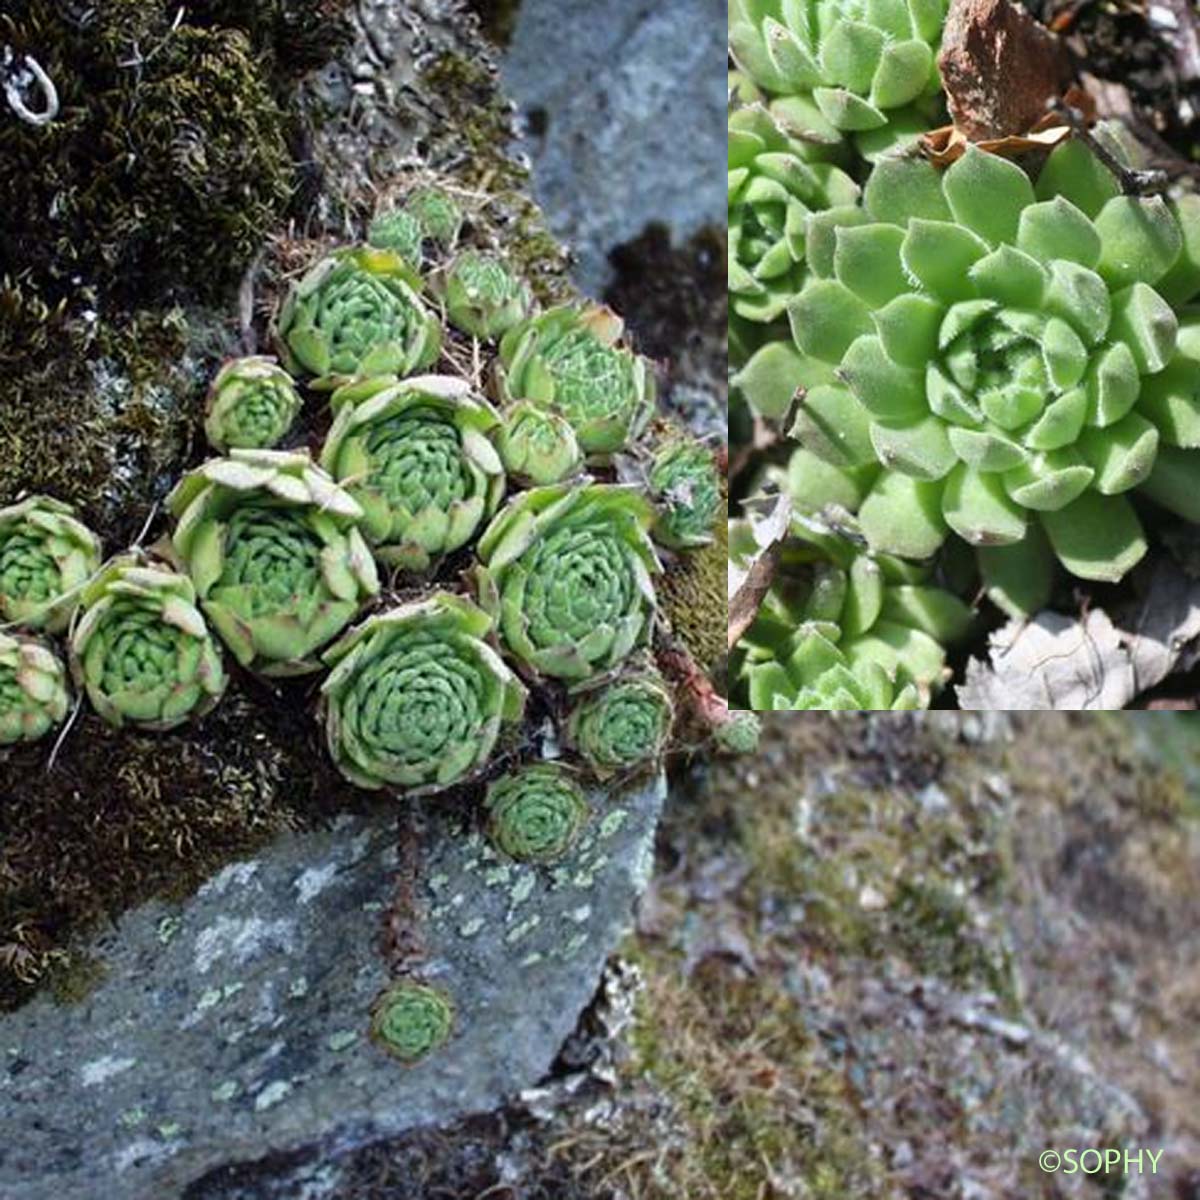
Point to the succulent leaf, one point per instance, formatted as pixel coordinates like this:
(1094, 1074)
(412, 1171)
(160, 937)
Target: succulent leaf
(537, 447)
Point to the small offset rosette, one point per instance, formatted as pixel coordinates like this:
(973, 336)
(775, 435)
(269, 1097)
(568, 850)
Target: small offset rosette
(252, 404)
(33, 689)
(536, 813)
(622, 724)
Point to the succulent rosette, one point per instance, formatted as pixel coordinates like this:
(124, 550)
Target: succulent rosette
(536, 813)
(416, 456)
(1006, 357)
(772, 193)
(571, 361)
(399, 231)
(417, 698)
(841, 629)
(46, 556)
(537, 447)
(848, 66)
(567, 570)
(437, 213)
(33, 689)
(274, 549)
(357, 312)
(141, 648)
(252, 404)
(687, 491)
(483, 297)
(739, 734)
(622, 723)
(411, 1020)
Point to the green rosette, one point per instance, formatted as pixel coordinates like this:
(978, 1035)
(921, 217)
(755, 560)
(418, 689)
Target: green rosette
(568, 573)
(535, 814)
(357, 312)
(482, 296)
(417, 457)
(571, 361)
(417, 697)
(46, 556)
(252, 404)
(141, 648)
(537, 447)
(411, 1020)
(274, 549)
(33, 689)
(621, 724)
(686, 490)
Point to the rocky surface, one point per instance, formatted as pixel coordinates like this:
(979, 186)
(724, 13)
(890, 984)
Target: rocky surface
(623, 109)
(234, 1025)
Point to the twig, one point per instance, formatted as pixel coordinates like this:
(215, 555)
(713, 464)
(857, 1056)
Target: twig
(1133, 182)
(403, 941)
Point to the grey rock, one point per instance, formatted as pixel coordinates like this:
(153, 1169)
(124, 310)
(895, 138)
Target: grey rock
(235, 1024)
(624, 107)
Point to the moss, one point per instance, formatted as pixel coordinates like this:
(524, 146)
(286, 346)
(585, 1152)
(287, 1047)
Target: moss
(480, 116)
(692, 595)
(95, 414)
(122, 817)
(166, 167)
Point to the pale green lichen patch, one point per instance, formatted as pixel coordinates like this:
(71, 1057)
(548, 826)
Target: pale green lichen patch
(132, 1117)
(341, 1039)
(224, 1092)
(613, 822)
(470, 928)
(523, 930)
(272, 1094)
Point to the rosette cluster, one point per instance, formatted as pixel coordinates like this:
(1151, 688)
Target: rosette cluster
(273, 547)
(568, 573)
(141, 648)
(46, 556)
(252, 404)
(357, 312)
(536, 813)
(1002, 356)
(773, 191)
(843, 630)
(854, 62)
(623, 723)
(417, 456)
(417, 698)
(571, 360)
(33, 689)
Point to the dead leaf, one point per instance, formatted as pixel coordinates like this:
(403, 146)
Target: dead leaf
(1090, 663)
(770, 517)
